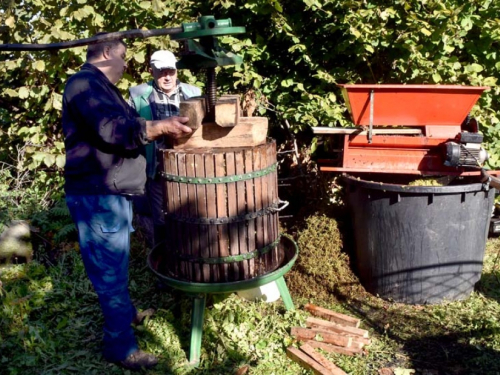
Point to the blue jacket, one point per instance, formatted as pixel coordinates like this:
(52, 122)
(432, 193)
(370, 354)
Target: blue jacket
(104, 137)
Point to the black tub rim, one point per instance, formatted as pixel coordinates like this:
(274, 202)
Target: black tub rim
(398, 188)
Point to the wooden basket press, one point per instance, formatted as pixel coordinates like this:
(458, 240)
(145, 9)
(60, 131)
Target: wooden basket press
(221, 209)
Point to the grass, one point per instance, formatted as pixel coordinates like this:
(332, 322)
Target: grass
(50, 322)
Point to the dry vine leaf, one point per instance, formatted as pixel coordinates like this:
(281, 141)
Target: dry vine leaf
(252, 100)
(242, 370)
(249, 103)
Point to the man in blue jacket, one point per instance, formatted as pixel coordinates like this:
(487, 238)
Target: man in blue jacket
(159, 99)
(105, 166)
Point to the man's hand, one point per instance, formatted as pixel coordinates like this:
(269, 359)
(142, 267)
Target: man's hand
(172, 127)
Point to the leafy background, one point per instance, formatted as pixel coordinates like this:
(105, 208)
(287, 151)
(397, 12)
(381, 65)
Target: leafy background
(295, 52)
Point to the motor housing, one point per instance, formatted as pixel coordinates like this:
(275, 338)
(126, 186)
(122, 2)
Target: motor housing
(465, 151)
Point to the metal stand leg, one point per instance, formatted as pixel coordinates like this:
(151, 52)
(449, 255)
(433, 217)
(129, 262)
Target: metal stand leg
(197, 315)
(285, 294)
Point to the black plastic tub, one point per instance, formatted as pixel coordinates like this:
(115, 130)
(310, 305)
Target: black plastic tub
(419, 244)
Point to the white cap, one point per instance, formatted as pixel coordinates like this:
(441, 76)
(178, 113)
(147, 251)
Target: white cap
(163, 60)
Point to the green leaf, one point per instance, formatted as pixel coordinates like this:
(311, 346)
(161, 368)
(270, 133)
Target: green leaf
(449, 49)
(355, 32)
(60, 161)
(39, 65)
(57, 101)
(49, 160)
(475, 68)
(11, 93)
(140, 57)
(287, 82)
(490, 81)
(426, 32)
(145, 4)
(63, 323)
(24, 92)
(157, 5)
(436, 77)
(10, 22)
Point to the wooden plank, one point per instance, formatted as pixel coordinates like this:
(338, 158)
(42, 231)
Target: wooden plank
(335, 327)
(356, 341)
(259, 231)
(221, 193)
(172, 207)
(173, 191)
(332, 315)
(267, 258)
(306, 362)
(309, 350)
(272, 198)
(241, 202)
(193, 212)
(227, 111)
(361, 131)
(359, 342)
(306, 334)
(250, 208)
(201, 198)
(331, 348)
(232, 205)
(250, 131)
(213, 244)
(195, 109)
(186, 269)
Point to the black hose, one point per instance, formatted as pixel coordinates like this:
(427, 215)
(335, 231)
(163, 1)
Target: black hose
(493, 181)
(129, 34)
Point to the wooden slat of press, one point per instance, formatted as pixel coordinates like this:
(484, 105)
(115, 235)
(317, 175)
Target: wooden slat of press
(232, 211)
(221, 193)
(241, 201)
(280, 255)
(186, 248)
(168, 228)
(213, 244)
(193, 212)
(272, 223)
(201, 195)
(250, 208)
(259, 231)
(170, 206)
(265, 203)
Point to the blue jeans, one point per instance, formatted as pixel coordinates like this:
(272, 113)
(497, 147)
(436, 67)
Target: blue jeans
(104, 224)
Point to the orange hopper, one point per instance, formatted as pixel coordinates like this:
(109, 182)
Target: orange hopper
(408, 129)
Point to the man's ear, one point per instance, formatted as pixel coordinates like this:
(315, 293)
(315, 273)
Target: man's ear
(106, 52)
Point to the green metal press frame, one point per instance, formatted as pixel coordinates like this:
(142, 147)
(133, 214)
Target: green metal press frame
(199, 291)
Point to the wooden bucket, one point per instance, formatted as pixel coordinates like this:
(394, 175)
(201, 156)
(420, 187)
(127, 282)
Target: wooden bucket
(221, 208)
